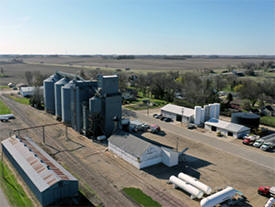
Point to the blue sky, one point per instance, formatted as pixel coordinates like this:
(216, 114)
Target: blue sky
(225, 27)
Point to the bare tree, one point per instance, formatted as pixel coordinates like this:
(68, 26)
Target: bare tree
(29, 77)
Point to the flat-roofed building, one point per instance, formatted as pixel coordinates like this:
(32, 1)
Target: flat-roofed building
(226, 128)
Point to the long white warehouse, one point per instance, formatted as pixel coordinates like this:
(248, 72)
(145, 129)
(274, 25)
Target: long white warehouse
(141, 153)
(226, 128)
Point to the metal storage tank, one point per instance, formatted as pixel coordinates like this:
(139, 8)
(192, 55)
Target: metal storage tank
(197, 115)
(108, 83)
(249, 120)
(195, 182)
(66, 102)
(57, 88)
(206, 112)
(49, 97)
(95, 104)
(195, 192)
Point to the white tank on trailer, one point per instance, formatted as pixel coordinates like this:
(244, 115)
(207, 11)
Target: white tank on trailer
(195, 182)
(218, 197)
(195, 193)
(269, 202)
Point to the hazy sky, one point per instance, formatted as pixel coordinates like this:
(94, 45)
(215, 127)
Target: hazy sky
(233, 27)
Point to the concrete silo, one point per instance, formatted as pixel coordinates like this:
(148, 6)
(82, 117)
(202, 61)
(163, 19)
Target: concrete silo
(49, 97)
(57, 88)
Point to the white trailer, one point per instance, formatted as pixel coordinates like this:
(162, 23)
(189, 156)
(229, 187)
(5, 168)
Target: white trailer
(195, 193)
(195, 182)
(219, 197)
(270, 202)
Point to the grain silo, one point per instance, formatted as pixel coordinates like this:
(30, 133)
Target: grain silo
(57, 87)
(66, 102)
(249, 120)
(49, 97)
(197, 118)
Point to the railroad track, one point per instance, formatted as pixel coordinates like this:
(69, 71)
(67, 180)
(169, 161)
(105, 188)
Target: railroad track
(109, 195)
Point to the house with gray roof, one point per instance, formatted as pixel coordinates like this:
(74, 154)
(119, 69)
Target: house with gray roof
(139, 152)
(226, 128)
(178, 113)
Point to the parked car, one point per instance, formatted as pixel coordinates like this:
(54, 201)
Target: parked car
(155, 128)
(258, 143)
(248, 141)
(266, 191)
(145, 127)
(267, 146)
(167, 119)
(155, 115)
(162, 118)
(191, 126)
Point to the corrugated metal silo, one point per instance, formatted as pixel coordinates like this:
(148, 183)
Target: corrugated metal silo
(197, 115)
(57, 87)
(66, 102)
(49, 97)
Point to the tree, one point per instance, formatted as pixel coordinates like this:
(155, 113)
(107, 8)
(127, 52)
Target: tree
(29, 77)
(229, 98)
(2, 71)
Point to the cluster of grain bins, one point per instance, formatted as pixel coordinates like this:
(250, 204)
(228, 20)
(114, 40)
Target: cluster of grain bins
(205, 113)
(48, 180)
(78, 102)
(197, 189)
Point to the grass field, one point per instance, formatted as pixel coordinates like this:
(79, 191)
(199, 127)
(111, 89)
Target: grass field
(2, 87)
(138, 196)
(268, 120)
(13, 191)
(21, 100)
(4, 109)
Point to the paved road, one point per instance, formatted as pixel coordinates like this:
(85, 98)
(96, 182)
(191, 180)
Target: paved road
(3, 200)
(267, 161)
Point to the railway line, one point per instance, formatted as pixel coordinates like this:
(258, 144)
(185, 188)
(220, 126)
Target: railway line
(108, 194)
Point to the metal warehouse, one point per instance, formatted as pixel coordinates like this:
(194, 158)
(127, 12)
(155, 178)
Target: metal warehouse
(28, 91)
(141, 153)
(48, 180)
(226, 128)
(91, 107)
(198, 115)
(178, 113)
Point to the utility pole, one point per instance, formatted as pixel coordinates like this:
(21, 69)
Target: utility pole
(43, 134)
(177, 144)
(182, 110)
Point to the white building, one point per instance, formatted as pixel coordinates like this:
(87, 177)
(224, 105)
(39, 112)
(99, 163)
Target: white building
(178, 113)
(226, 128)
(141, 153)
(28, 91)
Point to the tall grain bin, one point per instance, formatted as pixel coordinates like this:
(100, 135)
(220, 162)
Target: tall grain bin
(49, 97)
(249, 120)
(57, 88)
(197, 115)
(66, 102)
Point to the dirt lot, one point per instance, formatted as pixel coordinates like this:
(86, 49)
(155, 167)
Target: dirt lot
(107, 174)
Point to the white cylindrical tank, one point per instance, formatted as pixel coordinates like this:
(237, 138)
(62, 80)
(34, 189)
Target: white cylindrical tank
(193, 181)
(197, 115)
(195, 193)
(270, 202)
(212, 111)
(218, 197)
(202, 115)
(217, 110)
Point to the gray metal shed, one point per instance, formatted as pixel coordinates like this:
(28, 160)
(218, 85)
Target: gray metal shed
(48, 180)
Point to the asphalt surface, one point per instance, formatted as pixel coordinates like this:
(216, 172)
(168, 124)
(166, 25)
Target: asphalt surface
(267, 161)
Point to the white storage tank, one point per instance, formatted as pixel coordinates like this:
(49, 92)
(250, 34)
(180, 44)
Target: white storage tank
(197, 115)
(217, 110)
(202, 115)
(219, 197)
(193, 181)
(195, 193)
